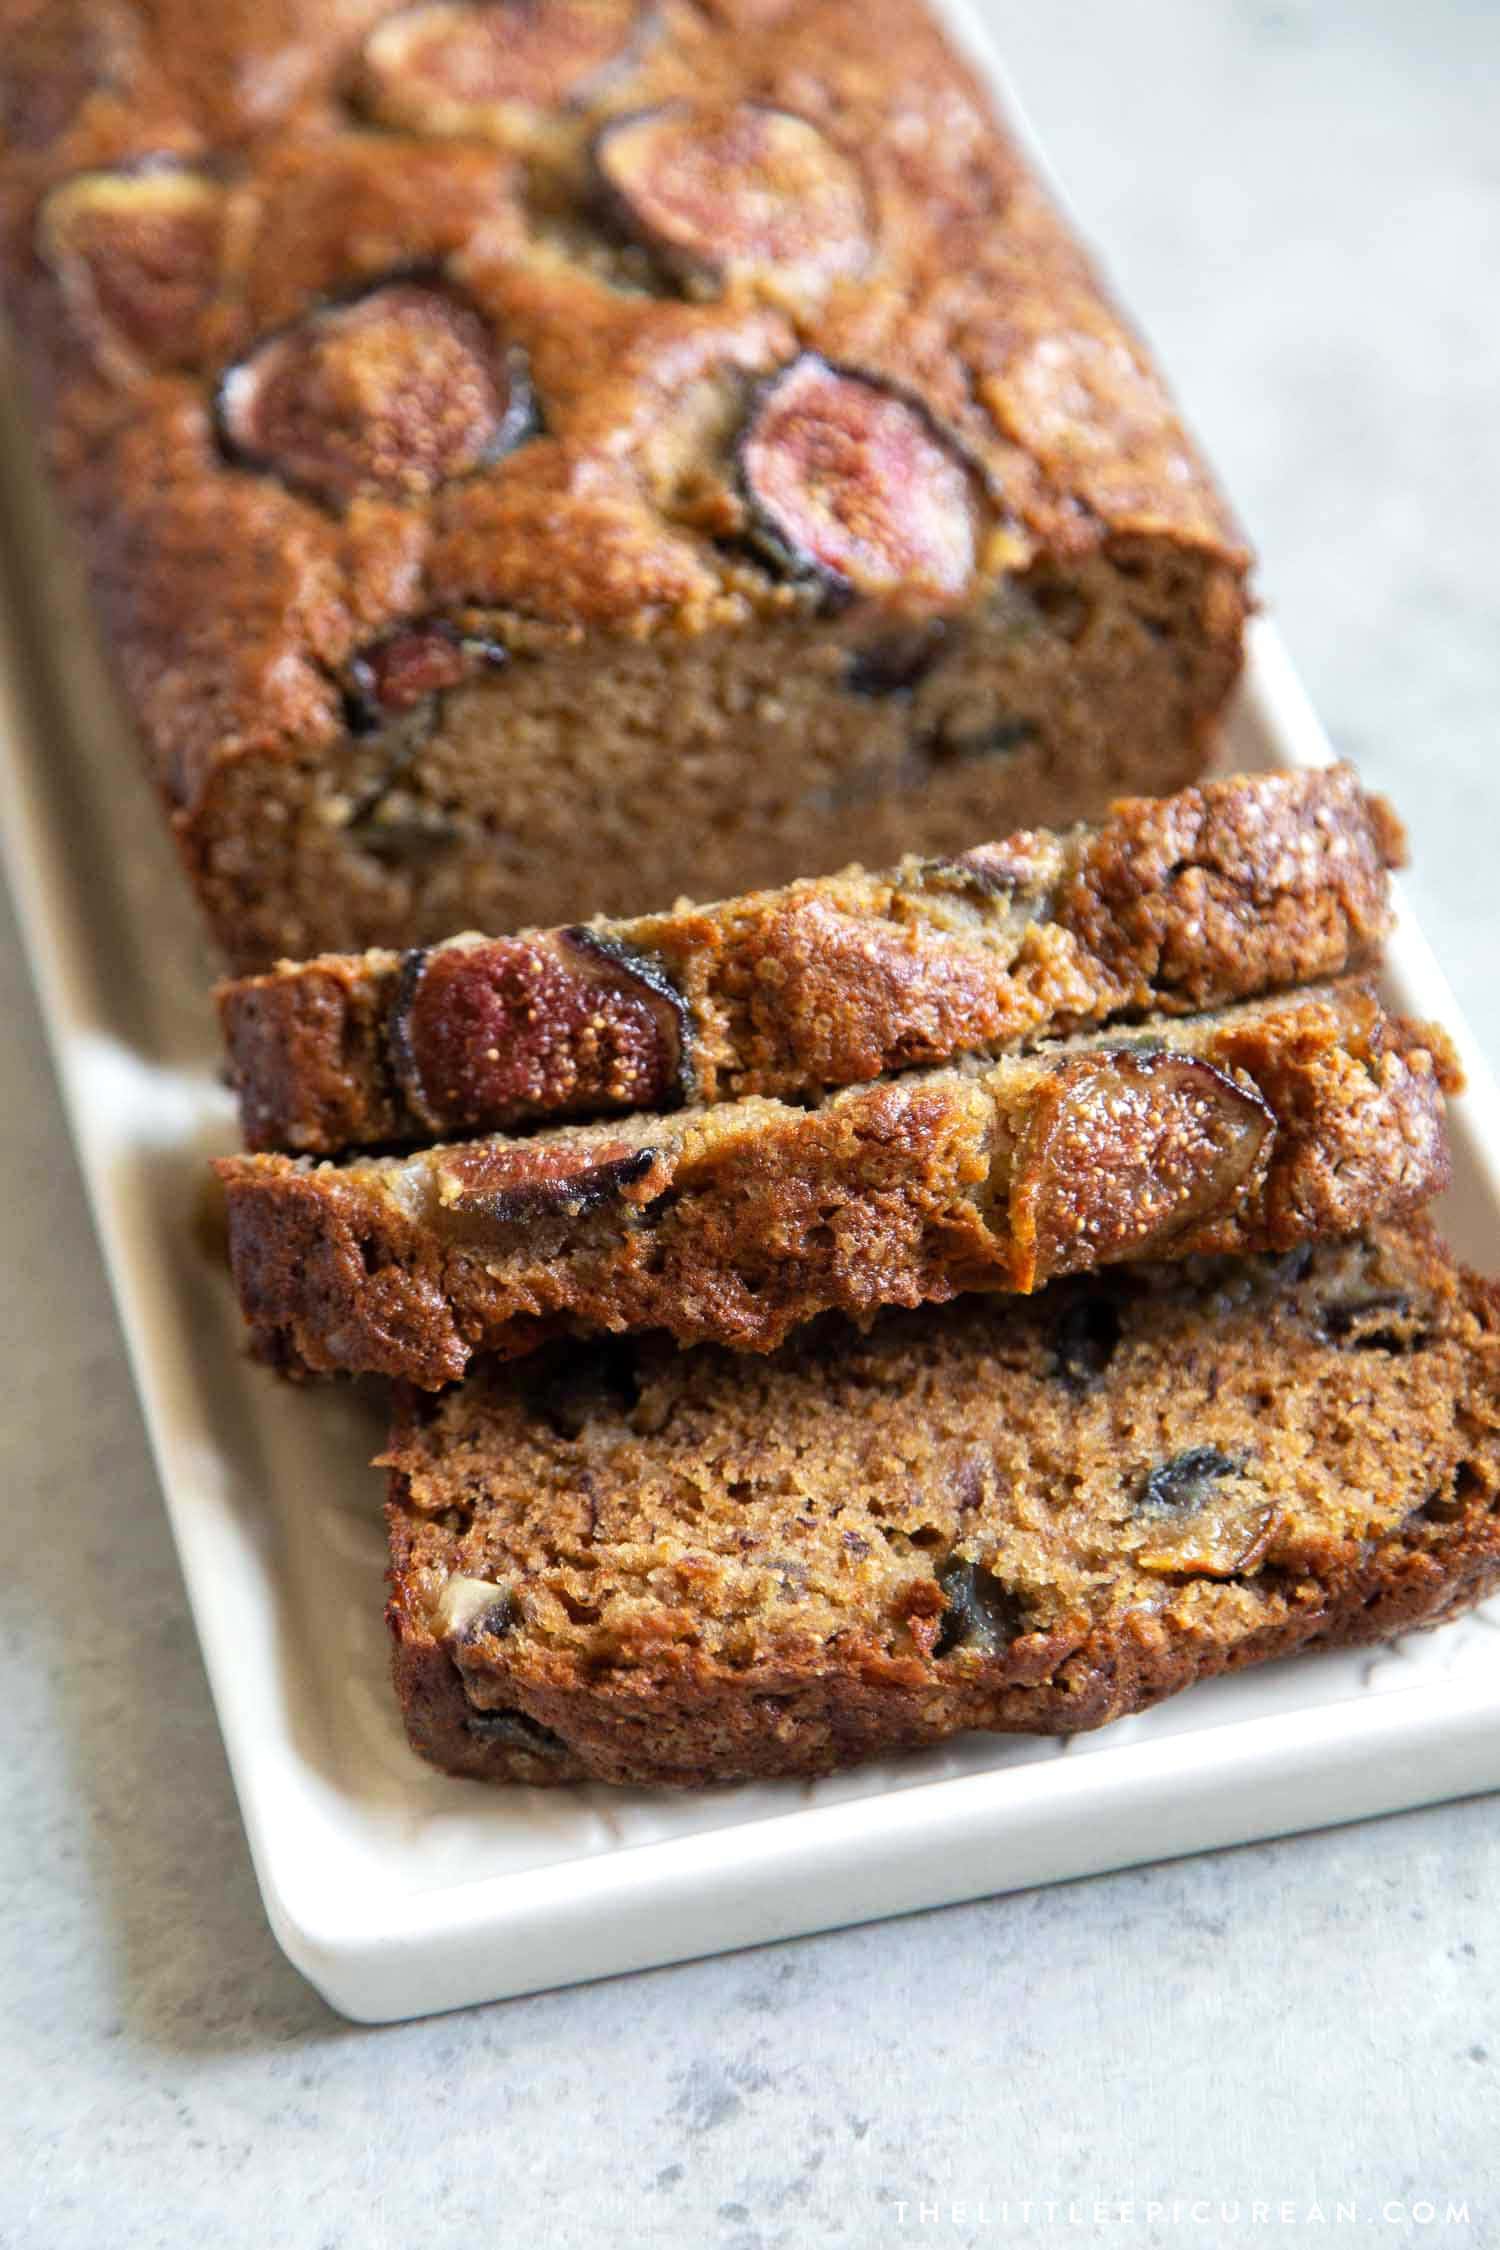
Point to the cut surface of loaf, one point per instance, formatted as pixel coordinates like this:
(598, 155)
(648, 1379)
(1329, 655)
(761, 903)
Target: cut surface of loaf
(1239, 887)
(630, 1564)
(1258, 1127)
(534, 462)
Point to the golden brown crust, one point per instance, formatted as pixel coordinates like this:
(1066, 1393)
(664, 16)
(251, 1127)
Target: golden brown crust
(1264, 1126)
(239, 600)
(731, 1570)
(1224, 891)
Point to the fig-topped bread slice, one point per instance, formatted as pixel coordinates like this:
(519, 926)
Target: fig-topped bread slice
(1175, 905)
(1258, 1127)
(629, 1564)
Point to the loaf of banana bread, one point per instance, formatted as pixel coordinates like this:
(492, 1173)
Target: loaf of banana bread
(1181, 904)
(1256, 1128)
(537, 459)
(628, 1564)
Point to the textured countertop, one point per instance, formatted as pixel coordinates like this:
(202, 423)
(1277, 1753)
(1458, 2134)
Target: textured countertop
(1302, 204)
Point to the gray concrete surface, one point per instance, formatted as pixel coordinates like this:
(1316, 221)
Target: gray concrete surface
(1302, 201)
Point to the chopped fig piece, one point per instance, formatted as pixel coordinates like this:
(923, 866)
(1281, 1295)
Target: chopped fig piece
(482, 1035)
(138, 254)
(591, 1378)
(1384, 1321)
(390, 392)
(403, 838)
(848, 482)
(393, 676)
(988, 871)
(1000, 738)
(516, 1181)
(897, 662)
(517, 1732)
(1086, 1339)
(1221, 1525)
(982, 1613)
(397, 673)
(471, 1607)
(481, 69)
(734, 193)
(1127, 1149)
(1184, 1482)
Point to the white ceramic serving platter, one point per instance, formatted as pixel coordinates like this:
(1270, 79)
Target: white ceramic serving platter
(396, 1891)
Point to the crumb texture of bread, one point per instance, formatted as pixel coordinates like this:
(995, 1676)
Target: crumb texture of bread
(629, 1564)
(1259, 1127)
(1235, 888)
(537, 462)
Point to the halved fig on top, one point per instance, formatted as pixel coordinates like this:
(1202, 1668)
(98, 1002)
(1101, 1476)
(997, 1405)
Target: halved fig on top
(847, 481)
(734, 192)
(489, 1184)
(479, 1035)
(484, 68)
(392, 392)
(1125, 1151)
(138, 254)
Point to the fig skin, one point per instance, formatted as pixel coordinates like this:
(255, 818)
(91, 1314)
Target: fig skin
(850, 483)
(392, 390)
(733, 195)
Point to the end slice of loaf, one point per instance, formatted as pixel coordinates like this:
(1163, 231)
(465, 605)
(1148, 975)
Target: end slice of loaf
(467, 559)
(1254, 1128)
(629, 1564)
(1176, 904)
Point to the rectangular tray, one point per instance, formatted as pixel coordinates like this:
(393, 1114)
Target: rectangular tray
(398, 1892)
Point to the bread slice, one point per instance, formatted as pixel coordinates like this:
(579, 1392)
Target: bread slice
(1178, 904)
(1257, 1127)
(629, 1564)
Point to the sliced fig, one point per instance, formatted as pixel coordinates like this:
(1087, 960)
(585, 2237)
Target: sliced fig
(138, 254)
(982, 1613)
(394, 676)
(1214, 1523)
(1125, 1151)
(482, 68)
(511, 1182)
(484, 1035)
(848, 482)
(392, 392)
(736, 192)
